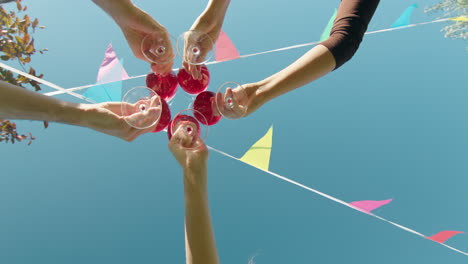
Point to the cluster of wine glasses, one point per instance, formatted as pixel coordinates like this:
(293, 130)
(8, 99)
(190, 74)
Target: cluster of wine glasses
(145, 107)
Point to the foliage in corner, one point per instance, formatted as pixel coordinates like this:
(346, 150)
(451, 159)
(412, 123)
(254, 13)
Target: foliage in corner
(17, 44)
(449, 9)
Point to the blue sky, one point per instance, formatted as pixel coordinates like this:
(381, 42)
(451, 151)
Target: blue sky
(391, 123)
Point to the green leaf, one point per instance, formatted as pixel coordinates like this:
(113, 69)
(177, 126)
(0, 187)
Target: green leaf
(5, 57)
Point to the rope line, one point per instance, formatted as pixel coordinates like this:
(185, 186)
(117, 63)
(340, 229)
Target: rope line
(70, 91)
(334, 199)
(265, 52)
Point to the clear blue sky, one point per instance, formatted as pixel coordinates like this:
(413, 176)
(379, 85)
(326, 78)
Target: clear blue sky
(392, 123)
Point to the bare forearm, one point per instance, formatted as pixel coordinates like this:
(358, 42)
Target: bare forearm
(128, 15)
(314, 64)
(200, 241)
(213, 15)
(113, 7)
(19, 103)
(347, 33)
(217, 6)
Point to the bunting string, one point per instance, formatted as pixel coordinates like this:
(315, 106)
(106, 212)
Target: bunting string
(334, 199)
(266, 52)
(439, 238)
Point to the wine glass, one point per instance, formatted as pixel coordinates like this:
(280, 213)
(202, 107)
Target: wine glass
(164, 85)
(141, 107)
(194, 132)
(191, 85)
(157, 48)
(231, 100)
(195, 47)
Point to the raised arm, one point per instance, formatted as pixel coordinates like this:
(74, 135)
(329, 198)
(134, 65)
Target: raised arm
(200, 244)
(209, 22)
(136, 24)
(19, 103)
(211, 19)
(347, 33)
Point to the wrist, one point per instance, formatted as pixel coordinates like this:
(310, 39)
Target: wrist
(258, 94)
(195, 179)
(268, 89)
(196, 172)
(81, 115)
(68, 113)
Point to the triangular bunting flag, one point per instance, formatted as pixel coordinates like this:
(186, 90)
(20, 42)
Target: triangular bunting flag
(108, 92)
(404, 19)
(225, 49)
(368, 206)
(259, 154)
(109, 85)
(111, 68)
(463, 19)
(443, 236)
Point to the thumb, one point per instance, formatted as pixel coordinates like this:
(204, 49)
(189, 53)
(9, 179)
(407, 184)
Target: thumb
(180, 138)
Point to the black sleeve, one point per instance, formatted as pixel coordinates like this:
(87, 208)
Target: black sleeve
(348, 29)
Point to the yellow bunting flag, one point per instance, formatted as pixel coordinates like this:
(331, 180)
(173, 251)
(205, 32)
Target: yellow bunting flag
(462, 18)
(259, 154)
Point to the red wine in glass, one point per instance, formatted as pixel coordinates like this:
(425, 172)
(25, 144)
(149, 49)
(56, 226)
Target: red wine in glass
(165, 117)
(191, 85)
(204, 104)
(164, 86)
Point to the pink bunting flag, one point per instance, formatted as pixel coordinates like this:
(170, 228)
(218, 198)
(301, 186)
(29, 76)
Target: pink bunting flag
(443, 236)
(225, 49)
(368, 206)
(111, 69)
